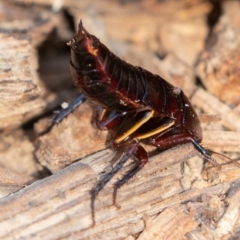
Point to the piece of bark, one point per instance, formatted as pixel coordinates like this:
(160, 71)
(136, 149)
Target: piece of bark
(206, 118)
(229, 216)
(187, 29)
(59, 206)
(18, 89)
(35, 22)
(218, 67)
(75, 137)
(217, 217)
(173, 222)
(17, 154)
(11, 181)
(222, 140)
(211, 105)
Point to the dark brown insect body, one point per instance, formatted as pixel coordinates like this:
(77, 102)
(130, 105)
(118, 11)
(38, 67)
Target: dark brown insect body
(133, 103)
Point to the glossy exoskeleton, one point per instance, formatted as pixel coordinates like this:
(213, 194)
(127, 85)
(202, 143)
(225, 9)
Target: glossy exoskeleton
(133, 103)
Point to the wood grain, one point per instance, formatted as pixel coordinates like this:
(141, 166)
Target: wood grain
(58, 207)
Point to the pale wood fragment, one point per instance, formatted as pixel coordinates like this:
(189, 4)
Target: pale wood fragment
(11, 181)
(72, 139)
(206, 118)
(17, 154)
(151, 33)
(18, 89)
(211, 105)
(218, 67)
(35, 22)
(223, 213)
(230, 216)
(222, 140)
(173, 222)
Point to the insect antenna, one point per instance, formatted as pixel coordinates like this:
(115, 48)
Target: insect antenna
(224, 157)
(95, 190)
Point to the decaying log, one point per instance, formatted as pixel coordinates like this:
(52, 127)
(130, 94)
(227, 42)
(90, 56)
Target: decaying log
(58, 207)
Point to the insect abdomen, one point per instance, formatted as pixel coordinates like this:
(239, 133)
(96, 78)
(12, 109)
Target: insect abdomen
(114, 84)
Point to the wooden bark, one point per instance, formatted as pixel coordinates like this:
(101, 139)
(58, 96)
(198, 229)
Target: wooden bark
(219, 64)
(64, 211)
(20, 87)
(174, 196)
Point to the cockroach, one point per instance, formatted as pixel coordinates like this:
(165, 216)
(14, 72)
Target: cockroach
(133, 103)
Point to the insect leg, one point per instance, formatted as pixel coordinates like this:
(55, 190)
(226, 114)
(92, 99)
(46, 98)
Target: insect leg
(65, 112)
(131, 124)
(72, 106)
(107, 119)
(142, 157)
(173, 138)
(140, 154)
(205, 153)
(94, 192)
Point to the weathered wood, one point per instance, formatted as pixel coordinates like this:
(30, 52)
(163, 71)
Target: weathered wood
(210, 104)
(17, 156)
(59, 206)
(218, 66)
(11, 181)
(18, 88)
(222, 140)
(173, 222)
(72, 139)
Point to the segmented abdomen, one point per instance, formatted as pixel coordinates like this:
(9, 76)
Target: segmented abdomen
(115, 84)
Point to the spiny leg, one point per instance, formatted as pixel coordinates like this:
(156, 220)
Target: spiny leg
(171, 139)
(65, 112)
(128, 127)
(142, 157)
(205, 153)
(108, 119)
(141, 154)
(131, 124)
(94, 192)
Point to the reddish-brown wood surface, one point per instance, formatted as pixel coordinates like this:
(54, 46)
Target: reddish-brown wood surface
(192, 44)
